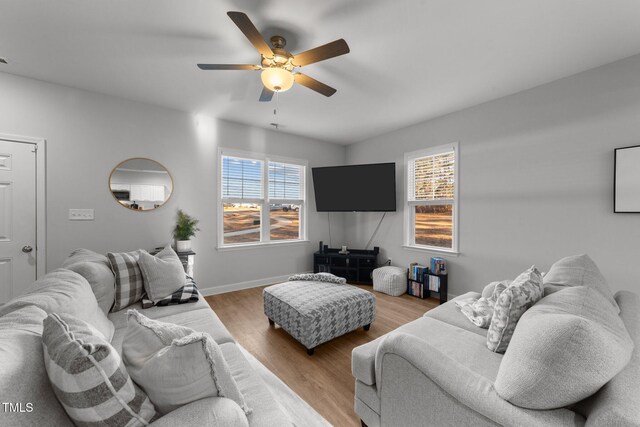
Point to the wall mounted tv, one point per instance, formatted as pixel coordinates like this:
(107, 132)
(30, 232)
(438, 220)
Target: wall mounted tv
(356, 188)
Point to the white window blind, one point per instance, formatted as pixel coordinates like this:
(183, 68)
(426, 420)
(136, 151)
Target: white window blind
(286, 181)
(241, 178)
(431, 178)
(431, 213)
(261, 199)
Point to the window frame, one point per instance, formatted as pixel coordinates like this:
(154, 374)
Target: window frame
(409, 206)
(264, 202)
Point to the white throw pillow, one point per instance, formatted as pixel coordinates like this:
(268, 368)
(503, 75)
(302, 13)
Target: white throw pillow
(519, 296)
(88, 377)
(163, 273)
(176, 365)
(97, 270)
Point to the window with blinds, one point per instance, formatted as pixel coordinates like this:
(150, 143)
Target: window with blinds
(241, 178)
(261, 200)
(432, 177)
(431, 219)
(285, 181)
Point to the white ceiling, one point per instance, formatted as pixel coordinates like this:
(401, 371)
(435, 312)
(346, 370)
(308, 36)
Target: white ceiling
(410, 60)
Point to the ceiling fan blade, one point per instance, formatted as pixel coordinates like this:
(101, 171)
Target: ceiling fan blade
(266, 95)
(228, 67)
(251, 32)
(313, 84)
(320, 53)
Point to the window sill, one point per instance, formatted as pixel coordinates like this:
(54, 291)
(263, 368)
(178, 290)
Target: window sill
(436, 250)
(260, 245)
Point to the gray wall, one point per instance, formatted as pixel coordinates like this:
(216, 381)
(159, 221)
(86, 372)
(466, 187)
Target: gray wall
(88, 134)
(536, 174)
(536, 178)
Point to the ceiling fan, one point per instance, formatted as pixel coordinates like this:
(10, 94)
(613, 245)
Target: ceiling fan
(277, 64)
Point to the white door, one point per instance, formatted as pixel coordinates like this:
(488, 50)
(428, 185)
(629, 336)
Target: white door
(17, 218)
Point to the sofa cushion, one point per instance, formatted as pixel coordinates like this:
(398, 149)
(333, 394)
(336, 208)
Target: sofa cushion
(449, 313)
(63, 291)
(88, 377)
(211, 411)
(119, 318)
(265, 410)
(96, 269)
(459, 344)
(176, 365)
(23, 378)
(577, 270)
(129, 282)
(564, 349)
(518, 297)
(363, 357)
(463, 347)
(163, 273)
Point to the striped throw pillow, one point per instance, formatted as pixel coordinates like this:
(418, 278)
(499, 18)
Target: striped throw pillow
(129, 280)
(88, 376)
(187, 293)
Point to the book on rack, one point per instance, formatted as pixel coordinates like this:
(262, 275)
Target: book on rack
(417, 271)
(410, 274)
(416, 289)
(438, 266)
(434, 283)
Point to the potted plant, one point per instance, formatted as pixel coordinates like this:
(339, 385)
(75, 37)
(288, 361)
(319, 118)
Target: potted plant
(185, 229)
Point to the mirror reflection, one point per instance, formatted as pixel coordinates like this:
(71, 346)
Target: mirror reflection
(141, 184)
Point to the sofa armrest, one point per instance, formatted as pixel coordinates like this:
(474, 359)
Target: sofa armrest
(363, 362)
(412, 375)
(211, 411)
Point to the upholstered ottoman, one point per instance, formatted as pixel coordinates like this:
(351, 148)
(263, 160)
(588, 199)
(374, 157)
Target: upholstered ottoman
(390, 280)
(315, 312)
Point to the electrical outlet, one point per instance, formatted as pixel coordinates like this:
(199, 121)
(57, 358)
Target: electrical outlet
(80, 214)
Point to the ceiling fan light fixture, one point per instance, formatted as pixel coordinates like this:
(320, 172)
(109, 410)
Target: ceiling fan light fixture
(277, 79)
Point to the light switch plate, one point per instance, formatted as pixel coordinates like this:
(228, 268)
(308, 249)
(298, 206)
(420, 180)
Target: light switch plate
(80, 214)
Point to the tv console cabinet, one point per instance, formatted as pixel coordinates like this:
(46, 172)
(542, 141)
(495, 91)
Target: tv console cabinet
(356, 266)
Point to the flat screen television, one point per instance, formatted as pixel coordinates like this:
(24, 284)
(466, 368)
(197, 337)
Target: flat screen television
(356, 188)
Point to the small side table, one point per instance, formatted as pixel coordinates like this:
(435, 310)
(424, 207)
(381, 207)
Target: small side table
(187, 259)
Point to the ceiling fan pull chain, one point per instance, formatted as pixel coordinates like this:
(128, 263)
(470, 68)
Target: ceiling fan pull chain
(275, 110)
(275, 114)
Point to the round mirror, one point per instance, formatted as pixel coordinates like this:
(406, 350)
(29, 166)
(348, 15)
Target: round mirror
(141, 184)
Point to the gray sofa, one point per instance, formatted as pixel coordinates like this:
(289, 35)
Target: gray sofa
(437, 371)
(23, 377)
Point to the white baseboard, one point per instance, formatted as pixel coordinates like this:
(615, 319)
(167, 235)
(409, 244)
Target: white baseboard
(223, 289)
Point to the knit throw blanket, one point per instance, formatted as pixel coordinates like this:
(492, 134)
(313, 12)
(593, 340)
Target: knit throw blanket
(480, 311)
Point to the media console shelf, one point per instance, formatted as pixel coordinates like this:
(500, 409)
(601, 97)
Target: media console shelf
(356, 266)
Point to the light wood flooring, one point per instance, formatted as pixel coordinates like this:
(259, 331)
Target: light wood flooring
(323, 380)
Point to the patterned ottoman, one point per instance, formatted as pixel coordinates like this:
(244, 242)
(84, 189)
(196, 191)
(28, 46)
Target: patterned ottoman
(315, 312)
